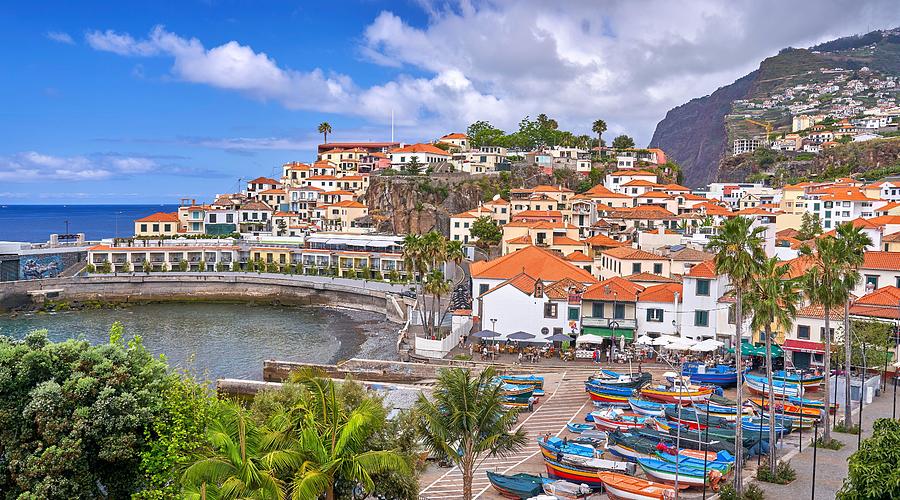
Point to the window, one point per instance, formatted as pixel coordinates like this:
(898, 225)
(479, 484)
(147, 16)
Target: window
(168, 227)
(822, 333)
(619, 312)
(557, 331)
(655, 315)
(597, 310)
(731, 313)
(898, 282)
(574, 314)
(701, 318)
(229, 218)
(872, 279)
(657, 268)
(155, 228)
(144, 230)
(636, 268)
(482, 288)
(212, 218)
(703, 288)
(550, 310)
(456, 224)
(803, 332)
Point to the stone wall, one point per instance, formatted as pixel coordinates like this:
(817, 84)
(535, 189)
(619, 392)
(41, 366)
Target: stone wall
(186, 287)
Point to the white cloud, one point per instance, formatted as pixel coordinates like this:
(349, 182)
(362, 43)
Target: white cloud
(31, 166)
(60, 36)
(625, 61)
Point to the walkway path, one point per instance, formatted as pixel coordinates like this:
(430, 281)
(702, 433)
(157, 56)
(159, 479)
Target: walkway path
(565, 401)
(831, 465)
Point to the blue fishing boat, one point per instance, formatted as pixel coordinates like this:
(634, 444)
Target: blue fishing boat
(729, 413)
(630, 380)
(811, 403)
(808, 379)
(593, 437)
(609, 389)
(671, 473)
(723, 466)
(644, 407)
(761, 425)
(760, 386)
(516, 393)
(721, 375)
(553, 447)
(578, 428)
(517, 485)
(532, 380)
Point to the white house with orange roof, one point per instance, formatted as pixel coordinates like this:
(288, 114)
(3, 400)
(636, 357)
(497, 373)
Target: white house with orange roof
(659, 310)
(616, 181)
(481, 160)
(294, 173)
(303, 199)
(533, 305)
(704, 313)
(460, 224)
(624, 261)
(275, 198)
(600, 194)
(638, 187)
(424, 154)
(842, 204)
(884, 190)
(342, 216)
(609, 310)
(323, 167)
(192, 217)
(158, 224)
(658, 199)
(556, 236)
(255, 217)
(260, 184)
(456, 140)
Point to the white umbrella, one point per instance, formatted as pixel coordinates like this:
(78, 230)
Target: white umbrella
(681, 344)
(663, 340)
(644, 340)
(707, 345)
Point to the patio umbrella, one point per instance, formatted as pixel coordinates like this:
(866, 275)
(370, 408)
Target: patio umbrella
(682, 344)
(520, 336)
(707, 345)
(559, 337)
(663, 340)
(644, 340)
(485, 334)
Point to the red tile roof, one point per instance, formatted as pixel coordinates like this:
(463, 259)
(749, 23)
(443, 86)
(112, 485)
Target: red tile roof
(160, 217)
(889, 261)
(629, 253)
(602, 240)
(615, 288)
(535, 261)
(660, 293)
(650, 278)
(706, 269)
(882, 303)
(421, 148)
(578, 256)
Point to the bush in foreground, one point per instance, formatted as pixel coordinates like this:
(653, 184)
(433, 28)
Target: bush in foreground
(873, 471)
(784, 474)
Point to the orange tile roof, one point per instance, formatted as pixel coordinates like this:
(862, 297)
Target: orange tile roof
(538, 213)
(651, 278)
(660, 293)
(602, 240)
(421, 148)
(882, 303)
(889, 261)
(565, 240)
(633, 173)
(272, 191)
(543, 188)
(533, 260)
(455, 135)
(263, 180)
(705, 269)
(675, 187)
(891, 238)
(600, 191)
(817, 311)
(160, 217)
(846, 194)
(889, 206)
(641, 212)
(883, 220)
(578, 256)
(799, 265)
(640, 183)
(629, 253)
(559, 290)
(498, 201)
(655, 194)
(615, 288)
(348, 204)
(520, 240)
(322, 178)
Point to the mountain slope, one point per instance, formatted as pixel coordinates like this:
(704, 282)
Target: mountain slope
(840, 76)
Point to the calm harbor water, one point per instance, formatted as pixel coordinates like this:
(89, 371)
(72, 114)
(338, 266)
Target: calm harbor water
(34, 223)
(225, 340)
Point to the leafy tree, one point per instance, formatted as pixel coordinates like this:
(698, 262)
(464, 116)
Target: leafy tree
(146, 266)
(272, 267)
(90, 268)
(466, 422)
(183, 265)
(810, 227)
(598, 128)
(623, 142)
(235, 266)
(772, 298)
(486, 230)
(126, 267)
(482, 133)
(106, 267)
(325, 128)
(412, 167)
(873, 471)
(739, 251)
(221, 267)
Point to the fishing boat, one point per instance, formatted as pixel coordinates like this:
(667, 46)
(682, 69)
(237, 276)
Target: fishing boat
(593, 437)
(644, 407)
(584, 470)
(809, 380)
(615, 420)
(688, 417)
(517, 485)
(782, 408)
(630, 380)
(630, 446)
(721, 400)
(720, 375)
(566, 489)
(555, 447)
(760, 386)
(622, 487)
(578, 428)
(812, 403)
(533, 380)
(517, 393)
(729, 413)
(761, 425)
(680, 391)
(723, 466)
(667, 472)
(609, 389)
(709, 456)
(607, 395)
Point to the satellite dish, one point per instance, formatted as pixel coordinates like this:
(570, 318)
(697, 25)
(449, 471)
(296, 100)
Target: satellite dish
(496, 197)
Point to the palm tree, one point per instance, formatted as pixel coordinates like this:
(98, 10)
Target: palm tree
(598, 128)
(331, 442)
(822, 284)
(739, 252)
(465, 421)
(325, 128)
(772, 298)
(852, 243)
(235, 464)
(437, 286)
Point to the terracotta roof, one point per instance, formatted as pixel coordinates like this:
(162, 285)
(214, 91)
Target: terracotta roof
(883, 220)
(559, 290)
(655, 194)
(338, 192)
(882, 303)
(538, 213)
(706, 269)
(629, 253)
(421, 148)
(520, 240)
(543, 188)
(578, 256)
(255, 205)
(650, 278)
(160, 217)
(615, 288)
(640, 183)
(890, 206)
(889, 261)
(263, 180)
(891, 238)
(532, 260)
(621, 173)
(600, 191)
(455, 135)
(322, 178)
(817, 311)
(689, 254)
(348, 204)
(675, 187)
(660, 293)
(601, 240)
(846, 194)
(272, 191)
(787, 233)
(753, 211)
(641, 212)
(498, 201)
(799, 265)
(692, 197)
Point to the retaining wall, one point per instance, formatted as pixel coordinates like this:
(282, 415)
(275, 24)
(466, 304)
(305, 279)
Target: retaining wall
(296, 290)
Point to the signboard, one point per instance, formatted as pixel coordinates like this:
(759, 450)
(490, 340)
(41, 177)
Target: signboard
(31, 268)
(574, 298)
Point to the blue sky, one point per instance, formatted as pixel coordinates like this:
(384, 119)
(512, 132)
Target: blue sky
(124, 102)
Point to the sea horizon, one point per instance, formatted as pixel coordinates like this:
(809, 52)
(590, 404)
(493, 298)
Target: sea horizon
(34, 223)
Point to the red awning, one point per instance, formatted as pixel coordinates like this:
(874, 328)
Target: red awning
(803, 346)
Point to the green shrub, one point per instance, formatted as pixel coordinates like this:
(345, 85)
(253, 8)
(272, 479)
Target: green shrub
(90, 268)
(843, 428)
(832, 444)
(462, 357)
(183, 265)
(751, 492)
(784, 474)
(106, 267)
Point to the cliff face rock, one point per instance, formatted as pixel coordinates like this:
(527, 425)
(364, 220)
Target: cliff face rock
(694, 135)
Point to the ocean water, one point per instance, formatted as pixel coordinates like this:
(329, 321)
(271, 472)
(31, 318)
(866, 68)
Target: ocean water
(35, 223)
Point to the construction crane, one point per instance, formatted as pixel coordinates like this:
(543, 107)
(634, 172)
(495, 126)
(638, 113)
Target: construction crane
(766, 125)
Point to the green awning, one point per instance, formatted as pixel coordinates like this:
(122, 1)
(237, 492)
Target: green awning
(599, 331)
(748, 349)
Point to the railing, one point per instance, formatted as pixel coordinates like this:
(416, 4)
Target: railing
(608, 322)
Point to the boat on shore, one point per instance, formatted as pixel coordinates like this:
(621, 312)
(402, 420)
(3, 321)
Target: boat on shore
(723, 465)
(630, 446)
(578, 428)
(729, 413)
(808, 379)
(533, 380)
(644, 407)
(692, 420)
(788, 409)
(720, 375)
(555, 448)
(567, 490)
(517, 486)
(760, 425)
(812, 403)
(622, 487)
(629, 380)
(609, 395)
(681, 391)
(760, 386)
(669, 473)
(584, 470)
(617, 420)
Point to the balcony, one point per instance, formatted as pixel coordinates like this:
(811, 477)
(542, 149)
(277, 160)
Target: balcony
(628, 323)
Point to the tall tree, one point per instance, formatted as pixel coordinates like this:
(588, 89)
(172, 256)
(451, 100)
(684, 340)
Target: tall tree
(465, 421)
(739, 252)
(325, 128)
(852, 243)
(823, 284)
(486, 230)
(772, 299)
(598, 128)
(623, 142)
